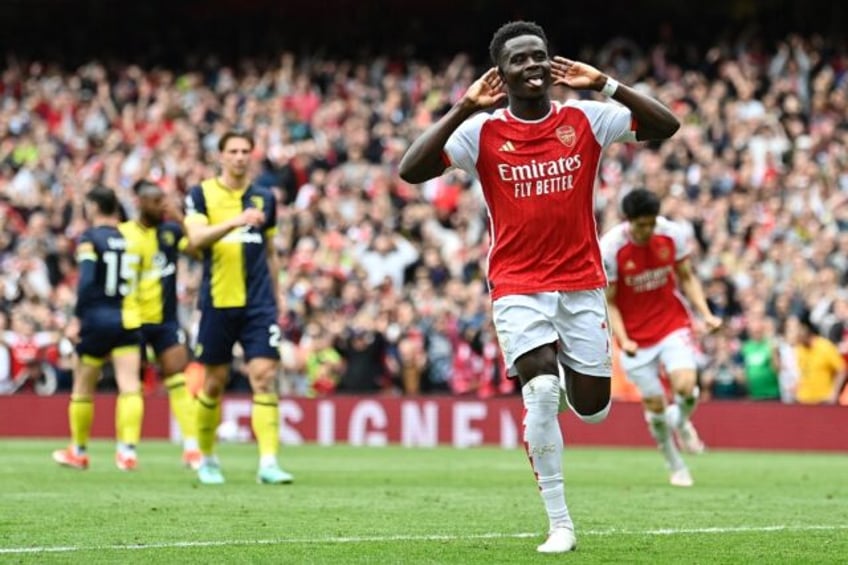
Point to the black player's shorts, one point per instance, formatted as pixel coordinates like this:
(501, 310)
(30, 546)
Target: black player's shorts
(101, 334)
(220, 328)
(162, 337)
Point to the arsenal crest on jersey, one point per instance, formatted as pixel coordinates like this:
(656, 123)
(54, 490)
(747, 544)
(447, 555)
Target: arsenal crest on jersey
(566, 135)
(663, 253)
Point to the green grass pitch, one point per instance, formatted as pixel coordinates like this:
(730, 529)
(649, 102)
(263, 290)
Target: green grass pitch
(396, 505)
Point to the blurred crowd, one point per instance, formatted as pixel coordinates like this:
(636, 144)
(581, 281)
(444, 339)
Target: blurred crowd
(383, 282)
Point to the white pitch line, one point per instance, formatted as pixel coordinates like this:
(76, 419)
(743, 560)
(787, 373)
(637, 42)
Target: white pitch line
(405, 538)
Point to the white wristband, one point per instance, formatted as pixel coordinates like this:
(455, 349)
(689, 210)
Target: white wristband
(610, 86)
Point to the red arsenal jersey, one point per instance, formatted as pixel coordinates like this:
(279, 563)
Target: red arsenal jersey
(538, 180)
(646, 286)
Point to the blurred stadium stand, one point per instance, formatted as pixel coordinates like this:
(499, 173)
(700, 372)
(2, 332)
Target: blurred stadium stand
(157, 31)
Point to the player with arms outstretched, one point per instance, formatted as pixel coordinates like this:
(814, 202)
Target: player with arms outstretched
(109, 320)
(537, 161)
(232, 223)
(159, 243)
(646, 258)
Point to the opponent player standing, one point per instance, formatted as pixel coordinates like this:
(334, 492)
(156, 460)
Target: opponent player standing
(646, 258)
(233, 223)
(159, 243)
(108, 310)
(537, 161)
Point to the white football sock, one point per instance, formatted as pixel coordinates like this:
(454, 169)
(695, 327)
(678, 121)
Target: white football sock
(125, 449)
(661, 432)
(267, 461)
(687, 405)
(673, 417)
(543, 439)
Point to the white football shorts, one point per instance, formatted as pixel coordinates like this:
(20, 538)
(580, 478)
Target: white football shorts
(577, 320)
(676, 351)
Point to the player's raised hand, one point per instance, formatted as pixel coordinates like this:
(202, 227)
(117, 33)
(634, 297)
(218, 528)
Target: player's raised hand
(487, 90)
(576, 75)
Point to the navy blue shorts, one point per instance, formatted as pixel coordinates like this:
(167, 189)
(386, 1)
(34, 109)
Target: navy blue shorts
(220, 328)
(162, 337)
(101, 333)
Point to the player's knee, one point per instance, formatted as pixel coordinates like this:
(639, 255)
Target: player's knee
(213, 389)
(654, 404)
(263, 379)
(129, 386)
(84, 386)
(174, 364)
(215, 380)
(263, 386)
(684, 382)
(543, 388)
(171, 369)
(589, 396)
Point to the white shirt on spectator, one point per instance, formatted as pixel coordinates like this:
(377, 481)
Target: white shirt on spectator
(392, 264)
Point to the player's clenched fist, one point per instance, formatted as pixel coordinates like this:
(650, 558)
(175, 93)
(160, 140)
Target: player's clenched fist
(251, 217)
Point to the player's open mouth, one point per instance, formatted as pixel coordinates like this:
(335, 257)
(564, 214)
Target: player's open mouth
(535, 82)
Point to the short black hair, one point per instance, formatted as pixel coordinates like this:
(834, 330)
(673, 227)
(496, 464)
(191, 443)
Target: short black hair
(105, 199)
(235, 134)
(806, 321)
(639, 203)
(139, 186)
(510, 30)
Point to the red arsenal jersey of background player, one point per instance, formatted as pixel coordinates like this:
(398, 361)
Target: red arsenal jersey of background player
(646, 285)
(538, 179)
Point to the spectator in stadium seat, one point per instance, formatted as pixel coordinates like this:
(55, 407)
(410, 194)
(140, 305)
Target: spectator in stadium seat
(386, 259)
(6, 384)
(789, 369)
(724, 378)
(323, 364)
(364, 350)
(761, 359)
(821, 368)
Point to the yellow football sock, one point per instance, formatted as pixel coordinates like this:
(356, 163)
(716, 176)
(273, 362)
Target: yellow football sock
(208, 417)
(265, 420)
(129, 414)
(80, 416)
(182, 405)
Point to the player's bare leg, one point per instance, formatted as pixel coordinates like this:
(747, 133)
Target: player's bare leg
(684, 382)
(540, 391)
(589, 396)
(265, 419)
